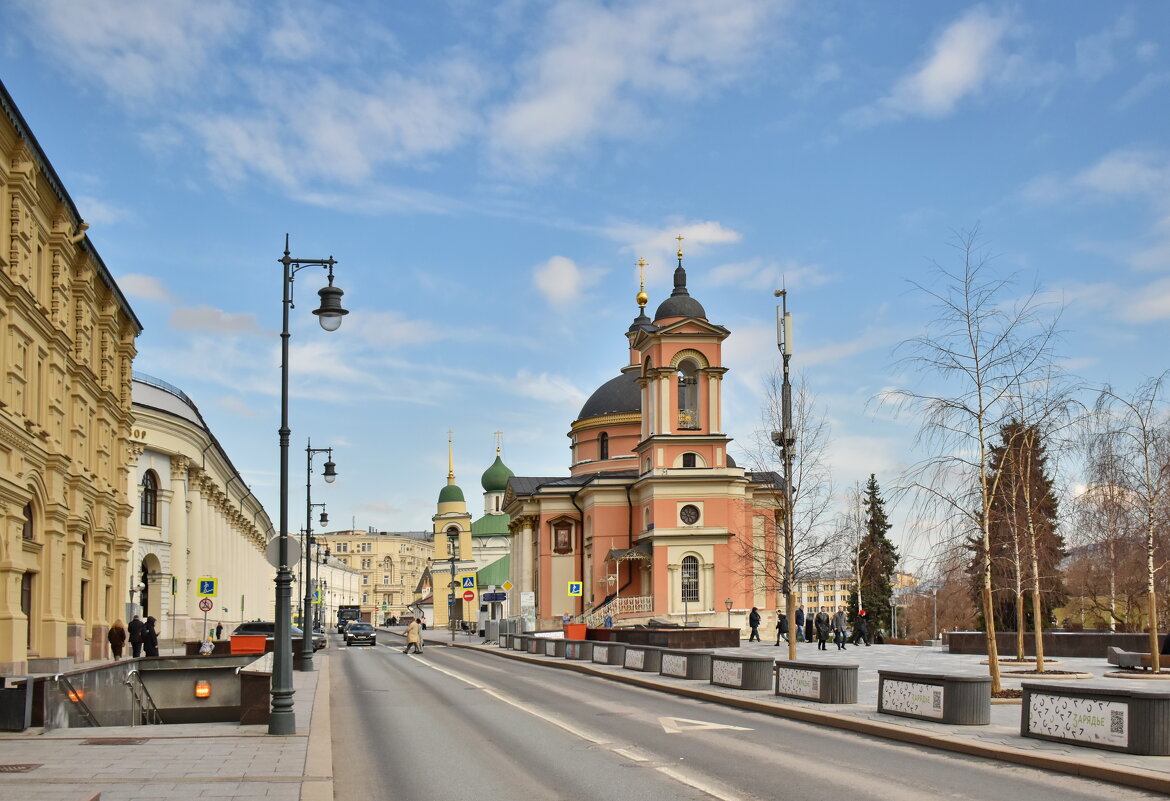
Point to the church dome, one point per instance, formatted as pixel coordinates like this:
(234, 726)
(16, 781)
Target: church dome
(680, 303)
(495, 478)
(451, 494)
(621, 394)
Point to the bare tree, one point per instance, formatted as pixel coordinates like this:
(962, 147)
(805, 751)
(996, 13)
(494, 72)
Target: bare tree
(981, 347)
(1137, 428)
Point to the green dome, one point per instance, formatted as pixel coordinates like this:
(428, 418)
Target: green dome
(451, 494)
(495, 478)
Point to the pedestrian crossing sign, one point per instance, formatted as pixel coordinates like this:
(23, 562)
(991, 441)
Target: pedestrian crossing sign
(207, 587)
(468, 582)
(576, 588)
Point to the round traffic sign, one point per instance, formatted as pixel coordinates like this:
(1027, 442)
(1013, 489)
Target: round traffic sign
(205, 604)
(469, 596)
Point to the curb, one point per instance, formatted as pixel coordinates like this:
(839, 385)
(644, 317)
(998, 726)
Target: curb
(317, 781)
(1068, 765)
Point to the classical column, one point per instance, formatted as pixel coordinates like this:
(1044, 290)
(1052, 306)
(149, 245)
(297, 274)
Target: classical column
(177, 523)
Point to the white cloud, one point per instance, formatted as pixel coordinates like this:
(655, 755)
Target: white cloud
(601, 70)
(1151, 303)
(392, 328)
(659, 246)
(552, 389)
(239, 407)
(1094, 53)
(98, 212)
(1124, 173)
(147, 287)
(561, 281)
(760, 274)
(211, 319)
(962, 59)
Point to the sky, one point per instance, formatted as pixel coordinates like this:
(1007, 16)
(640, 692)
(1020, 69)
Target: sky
(487, 175)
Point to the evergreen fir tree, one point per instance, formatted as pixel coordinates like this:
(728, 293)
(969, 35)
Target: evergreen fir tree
(1018, 468)
(877, 560)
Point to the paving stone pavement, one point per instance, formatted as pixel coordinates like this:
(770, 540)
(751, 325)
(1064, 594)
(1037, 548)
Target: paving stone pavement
(220, 761)
(1000, 739)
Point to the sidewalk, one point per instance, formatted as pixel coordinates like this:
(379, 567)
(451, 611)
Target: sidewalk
(999, 740)
(199, 760)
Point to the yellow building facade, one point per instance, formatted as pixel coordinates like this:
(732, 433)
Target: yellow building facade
(390, 565)
(67, 346)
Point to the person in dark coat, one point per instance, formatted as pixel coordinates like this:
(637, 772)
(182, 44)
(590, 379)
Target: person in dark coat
(839, 628)
(135, 632)
(799, 623)
(117, 638)
(781, 627)
(219, 630)
(821, 622)
(860, 629)
(150, 638)
(754, 622)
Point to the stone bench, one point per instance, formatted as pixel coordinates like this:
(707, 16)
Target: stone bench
(554, 647)
(742, 672)
(1128, 660)
(646, 658)
(1113, 719)
(609, 653)
(520, 642)
(959, 700)
(686, 664)
(824, 682)
(579, 649)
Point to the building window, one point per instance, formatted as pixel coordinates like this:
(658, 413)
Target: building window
(26, 598)
(385, 579)
(688, 460)
(603, 445)
(149, 499)
(26, 531)
(343, 547)
(365, 597)
(690, 579)
(688, 395)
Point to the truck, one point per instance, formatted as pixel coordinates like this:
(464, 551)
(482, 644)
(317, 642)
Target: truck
(346, 613)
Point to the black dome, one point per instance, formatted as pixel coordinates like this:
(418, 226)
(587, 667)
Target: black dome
(680, 303)
(621, 394)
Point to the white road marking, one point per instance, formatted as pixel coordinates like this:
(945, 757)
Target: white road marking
(703, 787)
(683, 725)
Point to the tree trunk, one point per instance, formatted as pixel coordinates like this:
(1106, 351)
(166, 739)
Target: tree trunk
(1037, 629)
(1021, 653)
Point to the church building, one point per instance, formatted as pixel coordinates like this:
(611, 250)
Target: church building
(655, 519)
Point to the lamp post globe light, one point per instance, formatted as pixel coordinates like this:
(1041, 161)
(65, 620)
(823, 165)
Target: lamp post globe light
(729, 603)
(330, 475)
(281, 719)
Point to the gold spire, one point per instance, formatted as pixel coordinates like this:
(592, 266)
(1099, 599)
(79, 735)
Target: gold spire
(680, 254)
(642, 297)
(450, 459)
(499, 441)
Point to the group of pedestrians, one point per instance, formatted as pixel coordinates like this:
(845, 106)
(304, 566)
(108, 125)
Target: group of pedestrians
(820, 624)
(142, 635)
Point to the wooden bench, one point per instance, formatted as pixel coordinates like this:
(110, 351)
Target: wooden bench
(1129, 660)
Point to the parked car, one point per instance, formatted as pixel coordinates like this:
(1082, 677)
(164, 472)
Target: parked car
(358, 631)
(268, 629)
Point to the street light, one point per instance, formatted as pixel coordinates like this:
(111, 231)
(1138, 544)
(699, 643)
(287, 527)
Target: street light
(453, 550)
(785, 440)
(330, 475)
(281, 719)
(729, 603)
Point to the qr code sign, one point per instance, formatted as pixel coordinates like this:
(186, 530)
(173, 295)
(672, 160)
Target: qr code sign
(1117, 721)
(937, 701)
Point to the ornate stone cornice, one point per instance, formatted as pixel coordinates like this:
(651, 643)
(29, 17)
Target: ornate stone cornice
(180, 463)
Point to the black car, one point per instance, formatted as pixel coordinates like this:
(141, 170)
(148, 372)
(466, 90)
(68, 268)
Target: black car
(268, 629)
(357, 631)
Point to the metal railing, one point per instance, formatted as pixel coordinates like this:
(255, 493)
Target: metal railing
(144, 706)
(632, 603)
(78, 699)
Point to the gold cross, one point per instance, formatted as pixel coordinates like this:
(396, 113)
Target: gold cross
(680, 240)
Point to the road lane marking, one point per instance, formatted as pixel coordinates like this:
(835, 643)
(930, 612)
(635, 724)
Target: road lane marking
(683, 725)
(702, 787)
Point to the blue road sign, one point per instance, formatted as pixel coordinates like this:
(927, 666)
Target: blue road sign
(469, 582)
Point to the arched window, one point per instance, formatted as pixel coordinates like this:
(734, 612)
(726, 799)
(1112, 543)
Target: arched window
(688, 460)
(688, 395)
(149, 499)
(690, 579)
(603, 445)
(27, 531)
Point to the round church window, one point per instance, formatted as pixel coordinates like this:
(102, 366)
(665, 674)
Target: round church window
(689, 514)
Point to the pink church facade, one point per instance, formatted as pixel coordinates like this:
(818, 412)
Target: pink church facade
(655, 519)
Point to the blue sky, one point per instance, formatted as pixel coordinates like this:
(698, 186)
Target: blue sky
(488, 173)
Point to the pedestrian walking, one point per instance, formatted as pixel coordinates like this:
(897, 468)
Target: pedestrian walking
(799, 623)
(135, 632)
(413, 638)
(754, 622)
(860, 629)
(822, 623)
(219, 630)
(808, 624)
(117, 638)
(781, 626)
(839, 628)
(149, 638)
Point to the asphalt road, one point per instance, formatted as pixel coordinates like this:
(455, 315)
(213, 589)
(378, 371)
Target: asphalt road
(457, 725)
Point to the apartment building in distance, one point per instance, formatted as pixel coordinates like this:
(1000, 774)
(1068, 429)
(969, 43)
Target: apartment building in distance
(390, 565)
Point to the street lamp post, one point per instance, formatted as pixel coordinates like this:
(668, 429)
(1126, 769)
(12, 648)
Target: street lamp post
(786, 441)
(729, 603)
(330, 475)
(281, 719)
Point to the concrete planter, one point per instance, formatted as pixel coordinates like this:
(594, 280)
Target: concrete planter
(646, 658)
(579, 649)
(826, 683)
(535, 645)
(505, 641)
(520, 642)
(554, 648)
(686, 664)
(609, 653)
(743, 672)
(959, 700)
(1133, 721)
(16, 695)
